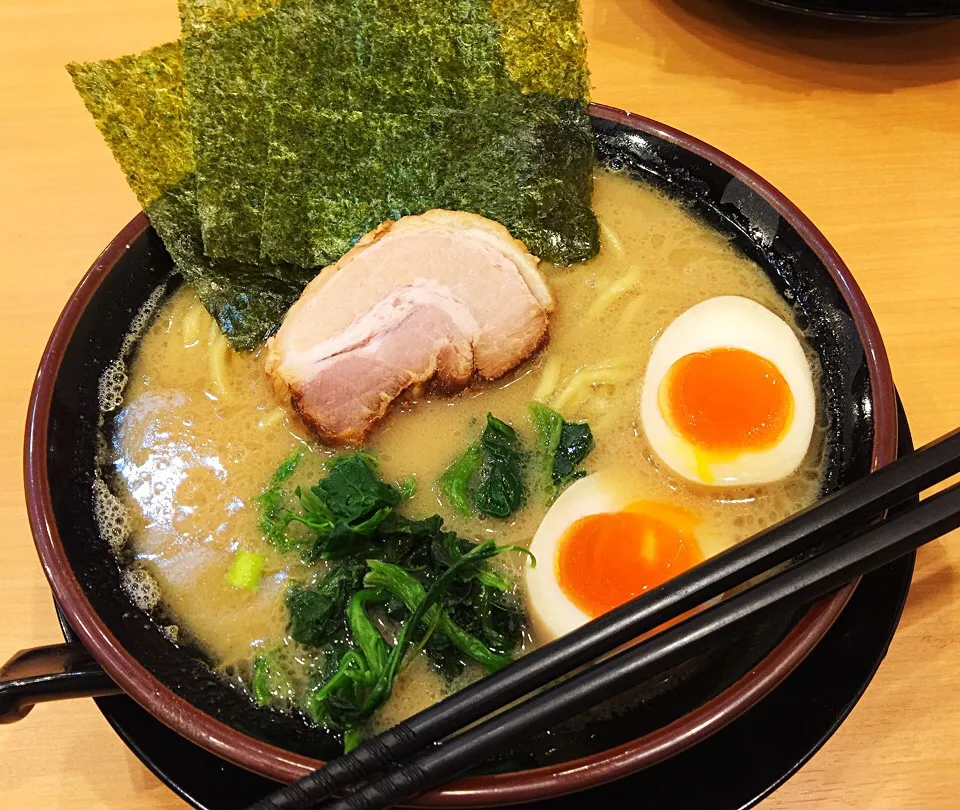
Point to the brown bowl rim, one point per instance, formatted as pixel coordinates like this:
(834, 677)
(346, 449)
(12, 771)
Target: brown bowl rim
(508, 788)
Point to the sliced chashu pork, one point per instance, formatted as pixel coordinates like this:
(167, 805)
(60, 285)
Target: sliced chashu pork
(413, 335)
(432, 297)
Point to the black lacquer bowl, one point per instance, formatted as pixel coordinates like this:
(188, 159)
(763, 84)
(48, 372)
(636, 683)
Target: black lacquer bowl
(871, 10)
(663, 717)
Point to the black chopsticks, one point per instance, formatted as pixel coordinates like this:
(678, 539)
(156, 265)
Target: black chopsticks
(822, 526)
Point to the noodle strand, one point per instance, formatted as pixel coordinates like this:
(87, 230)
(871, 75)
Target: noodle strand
(190, 324)
(627, 282)
(219, 366)
(548, 379)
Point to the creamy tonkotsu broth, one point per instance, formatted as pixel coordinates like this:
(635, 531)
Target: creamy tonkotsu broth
(200, 433)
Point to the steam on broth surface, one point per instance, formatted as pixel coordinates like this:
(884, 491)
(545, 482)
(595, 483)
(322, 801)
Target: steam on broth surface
(199, 433)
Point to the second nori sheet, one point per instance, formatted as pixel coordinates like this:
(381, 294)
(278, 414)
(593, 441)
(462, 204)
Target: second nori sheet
(362, 54)
(367, 102)
(528, 166)
(349, 57)
(139, 105)
(544, 46)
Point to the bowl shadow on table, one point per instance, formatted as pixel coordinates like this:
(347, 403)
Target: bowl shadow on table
(788, 52)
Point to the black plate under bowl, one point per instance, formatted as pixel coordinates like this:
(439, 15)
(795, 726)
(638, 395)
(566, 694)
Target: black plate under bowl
(871, 10)
(734, 769)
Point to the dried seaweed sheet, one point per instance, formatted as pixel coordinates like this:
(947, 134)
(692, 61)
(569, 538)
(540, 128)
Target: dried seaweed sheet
(407, 57)
(393, 56)
(205, 14)
(248, 301)
(544, 46)
(424, 85)
(138, 103)
(325, 61)
(523, 161)
(239, 54)
(541, 44)
(529, 165)
(229, 71)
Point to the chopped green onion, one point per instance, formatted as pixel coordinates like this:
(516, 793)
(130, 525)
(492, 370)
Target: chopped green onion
(246, 571)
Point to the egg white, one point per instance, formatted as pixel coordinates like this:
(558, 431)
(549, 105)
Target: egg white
(730, 322)
(551, 612)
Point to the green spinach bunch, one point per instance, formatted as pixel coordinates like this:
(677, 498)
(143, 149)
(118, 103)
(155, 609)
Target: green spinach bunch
(397, 586)
(345, 698)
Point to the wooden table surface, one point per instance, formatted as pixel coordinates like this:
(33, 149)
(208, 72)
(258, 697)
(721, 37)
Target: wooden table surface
(857, 124)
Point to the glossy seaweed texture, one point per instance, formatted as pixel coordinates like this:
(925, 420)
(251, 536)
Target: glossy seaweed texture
(711, 193)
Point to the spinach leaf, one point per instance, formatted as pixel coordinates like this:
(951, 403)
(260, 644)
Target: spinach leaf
(392, 578)
(334, 700)
(455, 482)
(367, 637)
(549, 425)
(364, 677)
(408, 540)
(407, 487)
(500, 490)
(275, 514)
(446, 548)
(348, 540)
(576, 442)
(381, 690)
(345, 508)
(561, 446)
(271, 685)
(352, 491)
(317, 614)
(488, 479)
(501, 620)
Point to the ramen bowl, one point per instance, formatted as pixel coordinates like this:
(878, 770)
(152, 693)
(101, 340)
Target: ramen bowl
(659, 718)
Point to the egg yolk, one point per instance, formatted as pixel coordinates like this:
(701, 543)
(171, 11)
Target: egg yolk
(607, 559)
(726, 401)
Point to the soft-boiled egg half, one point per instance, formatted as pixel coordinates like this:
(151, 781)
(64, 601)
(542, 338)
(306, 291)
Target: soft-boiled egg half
(600, 545)
(728, 395)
